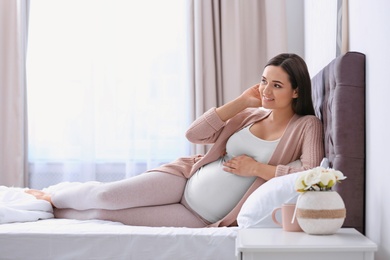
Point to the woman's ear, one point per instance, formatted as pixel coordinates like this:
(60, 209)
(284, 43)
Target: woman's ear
(295, 93)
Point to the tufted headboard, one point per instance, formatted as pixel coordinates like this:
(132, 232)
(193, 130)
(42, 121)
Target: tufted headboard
(339, 101)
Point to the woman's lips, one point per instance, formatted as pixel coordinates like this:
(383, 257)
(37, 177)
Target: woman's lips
(267, 98)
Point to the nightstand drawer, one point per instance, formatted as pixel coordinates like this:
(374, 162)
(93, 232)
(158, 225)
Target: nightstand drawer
(276, 244)
(307, 256)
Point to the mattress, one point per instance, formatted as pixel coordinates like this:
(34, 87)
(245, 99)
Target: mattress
(96, 239)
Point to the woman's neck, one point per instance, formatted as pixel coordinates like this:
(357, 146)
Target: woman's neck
(281, 117)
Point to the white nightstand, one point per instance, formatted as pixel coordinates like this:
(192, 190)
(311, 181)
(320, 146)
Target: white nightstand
(276, 244)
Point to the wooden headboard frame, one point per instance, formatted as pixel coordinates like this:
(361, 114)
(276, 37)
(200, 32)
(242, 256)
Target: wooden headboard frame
(339, 101)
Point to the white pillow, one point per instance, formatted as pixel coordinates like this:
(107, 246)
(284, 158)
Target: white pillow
(257, 209)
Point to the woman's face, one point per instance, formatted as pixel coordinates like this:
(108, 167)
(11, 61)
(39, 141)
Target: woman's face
(275, 89)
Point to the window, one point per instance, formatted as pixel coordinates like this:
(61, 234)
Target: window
(107, 86)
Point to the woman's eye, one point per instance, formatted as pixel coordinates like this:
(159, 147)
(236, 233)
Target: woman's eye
(277, 86)
(263, 81)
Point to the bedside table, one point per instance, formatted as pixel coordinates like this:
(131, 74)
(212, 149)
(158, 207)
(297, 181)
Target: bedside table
(276, 244)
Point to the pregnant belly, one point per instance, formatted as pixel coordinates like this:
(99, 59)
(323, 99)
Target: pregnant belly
(212, 192)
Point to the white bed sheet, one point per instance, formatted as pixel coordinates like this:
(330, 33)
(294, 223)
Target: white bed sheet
(54, 239)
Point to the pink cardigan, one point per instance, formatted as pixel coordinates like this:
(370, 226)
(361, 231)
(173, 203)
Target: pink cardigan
(302, 139)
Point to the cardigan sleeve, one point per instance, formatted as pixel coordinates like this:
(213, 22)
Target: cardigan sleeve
(309, 149)
(206, 128)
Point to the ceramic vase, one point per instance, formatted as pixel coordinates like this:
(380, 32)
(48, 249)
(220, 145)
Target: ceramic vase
(320, 212)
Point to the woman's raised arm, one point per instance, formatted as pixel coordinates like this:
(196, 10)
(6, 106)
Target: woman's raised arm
(249, 98)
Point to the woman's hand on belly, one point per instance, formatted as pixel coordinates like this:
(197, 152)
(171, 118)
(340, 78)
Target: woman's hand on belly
(242, 165)
(246, 166)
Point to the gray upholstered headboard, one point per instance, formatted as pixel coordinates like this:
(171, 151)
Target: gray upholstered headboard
(339, 101)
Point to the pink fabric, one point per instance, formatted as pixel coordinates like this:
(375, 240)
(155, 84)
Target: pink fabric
(150, 199)
(148, 189)
(171, 215)
(302, 139)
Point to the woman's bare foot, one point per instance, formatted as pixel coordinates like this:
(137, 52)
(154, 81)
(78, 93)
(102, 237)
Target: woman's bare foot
(40, 195)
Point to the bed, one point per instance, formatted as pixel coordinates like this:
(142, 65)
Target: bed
(339, 98)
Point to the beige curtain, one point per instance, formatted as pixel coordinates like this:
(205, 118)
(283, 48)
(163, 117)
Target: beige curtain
(230, 43)
(13, 38)
(342, 37)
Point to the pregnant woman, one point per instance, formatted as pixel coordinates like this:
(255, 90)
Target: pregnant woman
(254, 138)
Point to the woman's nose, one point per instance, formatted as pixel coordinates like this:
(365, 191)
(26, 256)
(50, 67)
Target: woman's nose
(266, 89)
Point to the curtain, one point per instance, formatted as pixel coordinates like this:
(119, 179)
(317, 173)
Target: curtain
(107, 88)
(13, 129)
(342, 40)
(230, 42)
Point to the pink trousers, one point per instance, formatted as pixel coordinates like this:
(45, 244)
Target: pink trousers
(150, 199)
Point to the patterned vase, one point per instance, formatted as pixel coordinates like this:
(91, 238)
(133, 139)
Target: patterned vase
(320, 212)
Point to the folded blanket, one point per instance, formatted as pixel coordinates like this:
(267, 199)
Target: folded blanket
(18, 206)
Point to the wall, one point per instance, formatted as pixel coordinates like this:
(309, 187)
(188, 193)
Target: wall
(295, 27)
(320, 33)
(369, 32)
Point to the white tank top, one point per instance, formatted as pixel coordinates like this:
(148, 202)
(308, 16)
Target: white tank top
(212, 192)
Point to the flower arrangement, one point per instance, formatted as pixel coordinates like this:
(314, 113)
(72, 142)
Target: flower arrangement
(318, 179)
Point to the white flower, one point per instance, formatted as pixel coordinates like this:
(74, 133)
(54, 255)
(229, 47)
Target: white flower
(327, 178)
(318, 179)
(312, 178)
(300, 183)
(339, 176)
